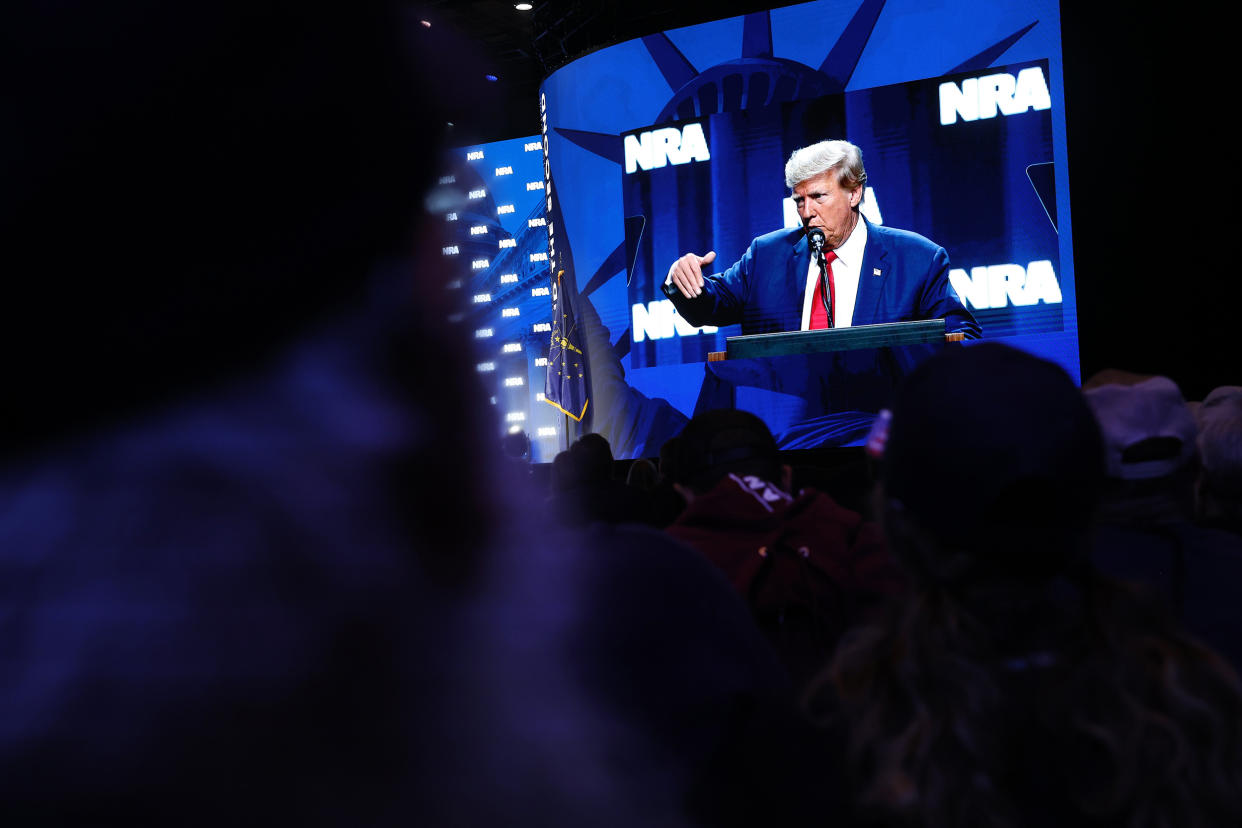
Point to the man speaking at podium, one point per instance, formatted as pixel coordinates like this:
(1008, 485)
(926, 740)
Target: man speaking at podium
(837, 270)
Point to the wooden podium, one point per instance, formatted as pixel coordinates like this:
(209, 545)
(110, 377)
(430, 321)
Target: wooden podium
(829, 340)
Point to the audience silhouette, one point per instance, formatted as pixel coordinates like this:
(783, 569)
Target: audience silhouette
(1016, 685)
(1218, 492)
(807, 567)
(1147, 531)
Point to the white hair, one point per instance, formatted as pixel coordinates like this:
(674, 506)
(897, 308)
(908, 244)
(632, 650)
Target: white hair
(808, 162)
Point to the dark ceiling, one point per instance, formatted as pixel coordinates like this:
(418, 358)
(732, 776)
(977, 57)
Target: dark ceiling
(475, 38)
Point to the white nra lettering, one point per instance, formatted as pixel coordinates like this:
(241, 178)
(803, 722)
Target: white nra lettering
(479, 264)
(538, 257)
(476, 155)
(483, 333)
(511, 348)
(543, 291)
(451, 250)
(484, 367)
(448, 179)
(981, 98)
(515, 417)
(513, 382)
(508, 278)
(541, 327)
(652, 150)
(450, 217)
(997, 286)
(532, 146)
(507, 243)
(480, 298)
(476, 194)
(536, 222)
(534, 185)
(546, 431)
(478, 230)
(660, 320)
(541, 362)
(506, 312)
(504, 208)
(504, 171)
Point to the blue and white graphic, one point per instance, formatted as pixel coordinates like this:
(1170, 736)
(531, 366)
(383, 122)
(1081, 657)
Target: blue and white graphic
(677, 141)
(493, 204)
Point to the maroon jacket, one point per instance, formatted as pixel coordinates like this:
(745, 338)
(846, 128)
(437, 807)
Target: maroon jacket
(808, 567)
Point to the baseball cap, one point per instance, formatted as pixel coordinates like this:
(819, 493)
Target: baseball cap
(1149, 431)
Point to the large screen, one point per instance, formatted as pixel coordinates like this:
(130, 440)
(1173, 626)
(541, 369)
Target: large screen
(676, 142)
(494, 238)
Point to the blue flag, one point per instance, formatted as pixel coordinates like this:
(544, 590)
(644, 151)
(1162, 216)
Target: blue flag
(566, 384)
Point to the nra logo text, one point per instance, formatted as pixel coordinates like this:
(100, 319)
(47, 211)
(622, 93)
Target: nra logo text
(996, 286)
(981, 98)
(476, 155)
(669, 145)
(660, 320)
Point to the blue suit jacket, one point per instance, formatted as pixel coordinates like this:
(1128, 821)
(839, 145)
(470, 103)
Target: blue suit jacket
(904, 277)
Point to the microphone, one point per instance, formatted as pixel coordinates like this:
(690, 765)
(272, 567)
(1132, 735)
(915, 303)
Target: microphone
(816, 238)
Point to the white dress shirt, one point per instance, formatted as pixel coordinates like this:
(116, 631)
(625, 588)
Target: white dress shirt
(845, 272)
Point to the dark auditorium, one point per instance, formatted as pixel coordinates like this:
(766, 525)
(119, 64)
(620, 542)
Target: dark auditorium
(692, 415)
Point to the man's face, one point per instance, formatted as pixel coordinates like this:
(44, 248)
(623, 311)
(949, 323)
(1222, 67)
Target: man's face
(823, 203)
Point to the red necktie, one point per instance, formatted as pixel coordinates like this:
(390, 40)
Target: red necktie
(819, 314)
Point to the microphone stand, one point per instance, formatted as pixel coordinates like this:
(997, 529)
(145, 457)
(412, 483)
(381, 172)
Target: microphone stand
(816, 239)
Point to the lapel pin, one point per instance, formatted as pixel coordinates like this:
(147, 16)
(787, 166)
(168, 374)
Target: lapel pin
(875, 271)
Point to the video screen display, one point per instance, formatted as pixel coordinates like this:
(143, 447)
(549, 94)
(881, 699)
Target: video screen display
(676, 142)
(964, 160)
(970, 180)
